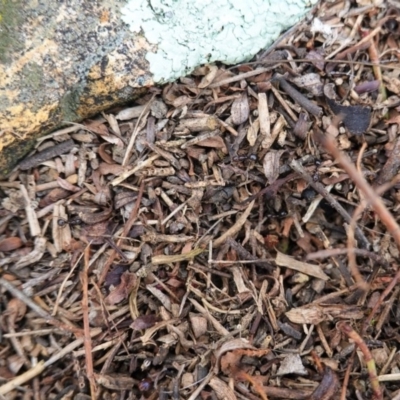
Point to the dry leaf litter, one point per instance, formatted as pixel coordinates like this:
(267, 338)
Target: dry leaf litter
(209, 241)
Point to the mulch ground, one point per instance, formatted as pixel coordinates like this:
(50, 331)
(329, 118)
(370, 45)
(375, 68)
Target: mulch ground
(231, 235)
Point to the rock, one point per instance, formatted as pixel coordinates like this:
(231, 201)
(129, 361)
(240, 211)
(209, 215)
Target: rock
(65, 61)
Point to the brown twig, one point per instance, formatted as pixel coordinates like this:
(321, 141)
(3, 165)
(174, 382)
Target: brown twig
(369, 193)
(38, 310)
(41, 365)
(296, 166)
(239, 77)
(351, 243)
(47, 154)
(382, 297)
(327, 387)
(86, 325)
(358, 340)
(136, 131)
(246, 255)
(391, 166)
(376, 203)
(285, 393)
(385, 312)
(337, 252)
(299, 98)
(374, 56)
(125, 232)
(235, 228)
(347, 376)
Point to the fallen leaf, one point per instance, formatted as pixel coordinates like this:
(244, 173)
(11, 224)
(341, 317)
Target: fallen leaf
(315, 314)
(302, 126)
(271, 165)
(292, 364)
(113, 278)
(317, 58)
(392, 84)
(355, 118)
(130, 113)
(228, 346)
(216, 142)
(158, 109)
(95, 218)
(221, 389)
(367, 86)
(209, 77)
(117, 382)
(15, 311)
(199, 324)
(144, 322)
(10, 244)
(252, 132)
(122, 291)
(240, 109)
(311, 82)
(284, 260)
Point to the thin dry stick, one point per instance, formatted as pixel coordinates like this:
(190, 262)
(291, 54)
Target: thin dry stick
(389, 377)
(324, 342)
(375, 201)
(296, 166)
(347, 376)
(349, 38)
(136, 131)
(351, 243)
(327, 387)
(245, 256)
(196, 393)
(283, 102)
(240, 374)
(86, 326)
(139, 166)
(386, 310)
(38, 310)
(337, 252)
(374, 56)
(127, 228)
(218, 327)
(348, 62)
(298, 97)
(21, 379)
(47, 154)
(358, 340)
(350, 239)
(360, 157)
(55, 308)
(239, 77)
(381, 299)
(41, 366)
(388, 361)
(233, 230)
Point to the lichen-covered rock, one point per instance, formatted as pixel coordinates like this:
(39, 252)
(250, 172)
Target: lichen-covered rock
(65, 61)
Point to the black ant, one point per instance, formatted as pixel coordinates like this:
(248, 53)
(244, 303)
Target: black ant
(250, 157)
(61, 222)
(280, 215)
(316, 175)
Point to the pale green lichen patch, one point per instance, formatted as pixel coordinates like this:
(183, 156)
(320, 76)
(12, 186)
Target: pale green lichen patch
(188, 33)
(10, 37)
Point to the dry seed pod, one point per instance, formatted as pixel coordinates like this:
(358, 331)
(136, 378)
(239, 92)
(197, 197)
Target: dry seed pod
(240, 109)
(199, 325)
(10, 244)
(16, 310)
(208, 123)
